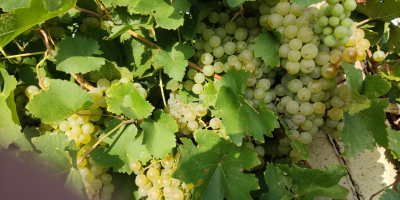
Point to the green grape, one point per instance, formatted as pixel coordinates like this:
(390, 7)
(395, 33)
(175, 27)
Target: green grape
(264, 21)
(289, 20)
(307, 66)
(96, 184)
(323, 21)
(309, 51)
(364, 44)
(343, 41)
(295, 44)
(264, 9)
(93, 22)
(331, 2)
(223, 18)
(201, 27)
(282, 8)
(252, 22)
(207, 34)
(302, 22)
(213, 17)
(275, 21)
(230, 48)
(293, 67)
(230, 28)
(106, 178)
(337, 10)
(333, 21)
(215, 41)
(349, 5)
(220, 32)
(322, 58)
(199, 44)
(327, 30)
(340, 32)
(305, 138)
(292, 107)
(294, 56)
(152, 173)
(304, 94)
(206, 58)
(306, 109)
(346, 22)
(240, 34)
(305, 34)
(336, 114)
(330, 41)
(284, 50)
(291, 31)
(379, 56)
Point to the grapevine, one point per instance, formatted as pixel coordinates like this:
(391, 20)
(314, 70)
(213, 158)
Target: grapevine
(185, 99)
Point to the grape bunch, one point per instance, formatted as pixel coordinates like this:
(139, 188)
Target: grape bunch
(154, 181)
(303, 89)
(189, 116)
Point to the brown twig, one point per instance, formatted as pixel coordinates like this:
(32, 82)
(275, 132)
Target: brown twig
(43, 34)
(82, 81)
(159, 48)
(372, 196)
(308, 163)
(101, 139)
(37, 71)
(120, 118)
(362, 22)
(91, 13)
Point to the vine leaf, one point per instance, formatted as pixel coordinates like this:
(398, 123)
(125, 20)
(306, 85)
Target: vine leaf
(13, 24)
(124, 148)
(159, 135)
(175, 60)
(390, 194)
(75, 55)
(135, 106)
(10, 5)
(394, 140)
(271, 39)
(116, 95)
(305, 183)
(354, 77)
(109, 71)
(55, 104)
(305, 154)
(139, 56)
(24, 140)
(362, 130)
(167, 14)
(358, 102)
(58, 157)
(237, 114)
(394, 39)
(380, 10)
(9, 124)
(234, 3)
(124, 185)
(128, 3)
(216, 167)
(27, 72)
(210, 94)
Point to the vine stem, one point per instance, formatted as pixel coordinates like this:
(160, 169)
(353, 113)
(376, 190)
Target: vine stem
(308, 163)
(45, 39)
(90, 12)
(159, 48)
(104, 137)
(82, 81)
(120, 118)
(162, 89)
(151, 165)
(37, 71)
(22, 55)
(5, 55)
(372, 196)
(362, 22)
(393, 108)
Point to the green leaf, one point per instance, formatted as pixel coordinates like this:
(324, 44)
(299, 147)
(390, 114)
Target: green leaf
(394, 140)
(375, 86)
(109, 49)
(159, 136)
(109, 71)
(305, 2)
(75, 55)
(187, 97)
(167, 13)
(237, 114)
(358, 102)
(27, 72)
(55, 104)
(216, 167)
(271, 39)
(125, 187)
(175, 60)
(13, 24)
(380, 10)
(9, 128)
(24, 140)
(354, 77)
(390, 194)
(10, 5)
(234, 3)
(115, 96)
(138, 57)
(124, 148)
(306, 183)
(373, 31)
(58, 157)
(394, 40)
(210, 94)
(277, 184)
(121, 15)
(128, 3)
(135, 106)
(356, 133)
